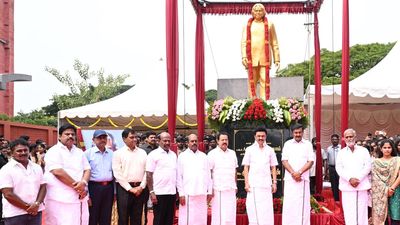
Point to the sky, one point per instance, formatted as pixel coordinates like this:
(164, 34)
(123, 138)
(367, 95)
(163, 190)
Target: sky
(128, 37)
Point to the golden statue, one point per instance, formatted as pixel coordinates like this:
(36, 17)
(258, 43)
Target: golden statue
(258, 41)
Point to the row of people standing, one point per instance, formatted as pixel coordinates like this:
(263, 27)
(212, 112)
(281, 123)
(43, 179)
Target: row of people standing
(81, 183)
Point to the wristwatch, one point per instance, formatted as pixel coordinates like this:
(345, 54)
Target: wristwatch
(37, 203)
(151, 191)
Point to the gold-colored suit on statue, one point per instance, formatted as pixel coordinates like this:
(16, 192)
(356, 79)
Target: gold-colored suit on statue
(259, 61)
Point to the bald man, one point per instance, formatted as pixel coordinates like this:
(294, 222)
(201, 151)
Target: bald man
(161, 181)
(194, 184)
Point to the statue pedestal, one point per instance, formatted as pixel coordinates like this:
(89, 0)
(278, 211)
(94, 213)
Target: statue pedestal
(240, 139)
(292, 87)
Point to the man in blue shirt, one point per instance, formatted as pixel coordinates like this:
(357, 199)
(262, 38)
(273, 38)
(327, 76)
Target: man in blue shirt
(101, 188)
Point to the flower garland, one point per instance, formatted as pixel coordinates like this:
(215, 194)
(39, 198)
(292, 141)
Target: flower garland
(249, 58)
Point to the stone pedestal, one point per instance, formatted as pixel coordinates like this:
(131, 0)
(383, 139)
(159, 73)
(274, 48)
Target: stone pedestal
(237, 88)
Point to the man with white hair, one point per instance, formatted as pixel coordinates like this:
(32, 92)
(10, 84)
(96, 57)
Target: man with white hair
(259, 44)
(353, 166)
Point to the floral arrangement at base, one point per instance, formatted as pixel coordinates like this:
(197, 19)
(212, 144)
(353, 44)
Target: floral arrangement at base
(240, 206)
(316, 206)
(238, 113)
(277, 204)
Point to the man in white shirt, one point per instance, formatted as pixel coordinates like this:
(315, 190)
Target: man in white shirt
(260, 163)
(353, 165)
(194, 184)
(23, 187)
(161, 181)
(297, 158)
(67, 174)
(128, 164)
(223, 163)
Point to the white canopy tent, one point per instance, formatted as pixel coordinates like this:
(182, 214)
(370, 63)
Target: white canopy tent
(374, 100)
(135, 108)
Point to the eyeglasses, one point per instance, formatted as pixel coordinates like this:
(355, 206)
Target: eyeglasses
(350, 136)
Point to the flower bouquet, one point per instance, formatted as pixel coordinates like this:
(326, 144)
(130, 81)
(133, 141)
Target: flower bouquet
(241, 113)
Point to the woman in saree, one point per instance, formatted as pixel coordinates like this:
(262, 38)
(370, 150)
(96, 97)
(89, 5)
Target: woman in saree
(385, 180)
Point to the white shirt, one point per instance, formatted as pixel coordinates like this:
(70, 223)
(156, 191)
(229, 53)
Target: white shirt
(260, 162)
(25, 183)
(163, 166)
(193, 175)
(355, 164)
(314, 165)
(129, 166)
(73, 162)
(298, 154)
(223, 166)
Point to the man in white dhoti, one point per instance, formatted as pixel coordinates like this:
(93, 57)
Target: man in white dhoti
(194, 185)
(353, 166)
(297, 158)
(223, 163)
(67, 173)
(259, 163)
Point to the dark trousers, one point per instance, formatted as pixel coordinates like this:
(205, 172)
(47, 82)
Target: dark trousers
(164, 210)
(102, 197)
(25, 219)
(146, 195)
(334, 179)
(130, 207)
(312, 185)
(1, 209)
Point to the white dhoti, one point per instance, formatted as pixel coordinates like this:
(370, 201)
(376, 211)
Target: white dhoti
(296, 203)
(355, 207)
(61, 213)
(194, 212)
(224, 208)
(259, 206)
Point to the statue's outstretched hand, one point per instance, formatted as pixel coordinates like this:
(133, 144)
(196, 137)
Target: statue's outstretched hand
(277, 65)
(245, 62)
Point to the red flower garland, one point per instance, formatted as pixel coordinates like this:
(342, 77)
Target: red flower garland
(249, 58)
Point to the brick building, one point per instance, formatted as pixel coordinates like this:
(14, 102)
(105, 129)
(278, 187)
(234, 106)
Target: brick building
(7, 54)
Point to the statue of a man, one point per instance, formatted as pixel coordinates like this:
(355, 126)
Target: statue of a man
(259, 40)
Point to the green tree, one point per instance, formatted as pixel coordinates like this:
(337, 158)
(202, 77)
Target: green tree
(84, 90)
(211, 96)
(89, 87)
(37, 117)
(362, 58)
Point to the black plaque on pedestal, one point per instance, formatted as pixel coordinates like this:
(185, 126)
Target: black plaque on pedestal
(240, 139)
